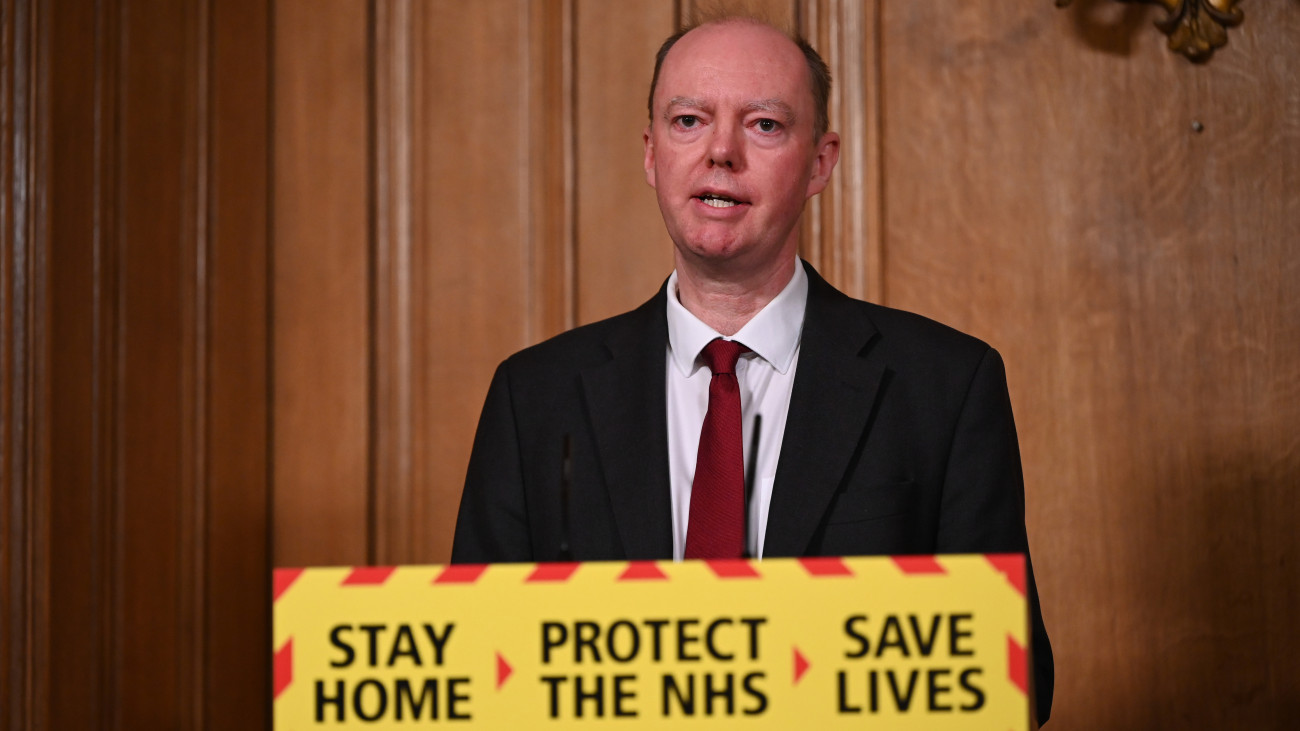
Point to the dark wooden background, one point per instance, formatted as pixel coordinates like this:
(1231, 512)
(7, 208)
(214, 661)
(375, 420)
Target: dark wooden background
(259, 259)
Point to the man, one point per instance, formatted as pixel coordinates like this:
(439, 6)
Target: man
(881, 433)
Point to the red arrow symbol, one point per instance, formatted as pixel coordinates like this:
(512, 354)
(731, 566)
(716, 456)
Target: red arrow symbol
(503, 671)
(801, 665)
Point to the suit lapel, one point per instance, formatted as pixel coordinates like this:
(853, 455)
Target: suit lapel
(625, 402)
(835, 389)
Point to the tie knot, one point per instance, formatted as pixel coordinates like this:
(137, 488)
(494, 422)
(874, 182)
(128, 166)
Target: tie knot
(721, 355)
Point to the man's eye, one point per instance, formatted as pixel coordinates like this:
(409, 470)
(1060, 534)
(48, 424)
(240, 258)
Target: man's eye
(687, 121)
(768, 125)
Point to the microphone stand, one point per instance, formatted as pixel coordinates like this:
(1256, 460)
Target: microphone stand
(566, 484)
(751, 472)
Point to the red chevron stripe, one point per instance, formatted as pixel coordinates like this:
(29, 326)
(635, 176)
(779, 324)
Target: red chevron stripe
(825, 566)
(282, 668)
(643, 571)
(552, 572)
(1017, 665)
(733, 568)
(1012, 565)
(918, 564)
(462, 573)
(281, 580)
(369, 575)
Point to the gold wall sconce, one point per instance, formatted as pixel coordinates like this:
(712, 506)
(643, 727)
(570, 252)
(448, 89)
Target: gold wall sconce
(1195, 27)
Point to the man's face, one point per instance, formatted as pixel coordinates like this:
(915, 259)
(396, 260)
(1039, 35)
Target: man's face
(730, 151)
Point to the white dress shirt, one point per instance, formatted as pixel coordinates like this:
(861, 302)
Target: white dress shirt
(766, 376)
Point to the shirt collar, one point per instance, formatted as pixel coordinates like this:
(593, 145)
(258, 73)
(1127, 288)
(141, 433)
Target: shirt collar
(773, 334)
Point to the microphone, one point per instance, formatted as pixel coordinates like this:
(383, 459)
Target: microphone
(751, 471)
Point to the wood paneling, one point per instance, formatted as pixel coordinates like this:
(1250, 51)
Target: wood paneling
(136, 481)
(781, 13)
(235, 561)
(552, 168)
(74, 588)
(22, 590)
(842, 235)
(473, 227)
(397, 513)
(156, 351)
(1047, 190)
(321, 264)
(459, 262)
(623, 252)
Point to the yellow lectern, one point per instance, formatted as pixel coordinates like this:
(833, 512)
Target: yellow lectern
(916, 642)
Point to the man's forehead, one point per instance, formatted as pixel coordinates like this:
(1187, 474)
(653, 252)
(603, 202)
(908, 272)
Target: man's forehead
(731, 58)
(735, 43)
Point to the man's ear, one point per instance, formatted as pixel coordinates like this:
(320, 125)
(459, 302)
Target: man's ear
(828, 153)
(649, 143)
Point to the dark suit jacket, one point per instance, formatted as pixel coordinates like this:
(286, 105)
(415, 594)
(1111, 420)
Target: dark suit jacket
(899, 440)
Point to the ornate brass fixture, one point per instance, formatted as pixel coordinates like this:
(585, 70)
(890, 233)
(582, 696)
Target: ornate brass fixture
(1195, 27)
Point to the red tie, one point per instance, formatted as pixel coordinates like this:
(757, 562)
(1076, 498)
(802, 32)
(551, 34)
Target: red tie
(716, 528)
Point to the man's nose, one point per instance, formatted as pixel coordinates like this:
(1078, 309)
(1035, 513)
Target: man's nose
(726, 146)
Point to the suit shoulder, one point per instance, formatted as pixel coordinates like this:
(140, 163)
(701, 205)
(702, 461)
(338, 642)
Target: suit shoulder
(907, 329)
(927, 349)
(899, 333)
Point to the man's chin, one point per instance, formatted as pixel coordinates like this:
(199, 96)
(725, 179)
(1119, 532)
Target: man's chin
(716, 260)
(711, 252)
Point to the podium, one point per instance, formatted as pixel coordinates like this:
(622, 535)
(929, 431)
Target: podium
(909, 642)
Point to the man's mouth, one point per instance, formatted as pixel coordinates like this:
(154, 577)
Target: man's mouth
(718, 201)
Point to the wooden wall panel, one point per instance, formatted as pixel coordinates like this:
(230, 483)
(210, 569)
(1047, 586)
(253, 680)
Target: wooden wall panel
(321, 282)
(397, 35)
(1047, 190)
(17, 443)
(153, 370)
(842, 235)
(134, 497)
(457, 249)
(623, 252)
(781, 13)
(73, 588)
(235, 558)
(476, 260)
(552, 167)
